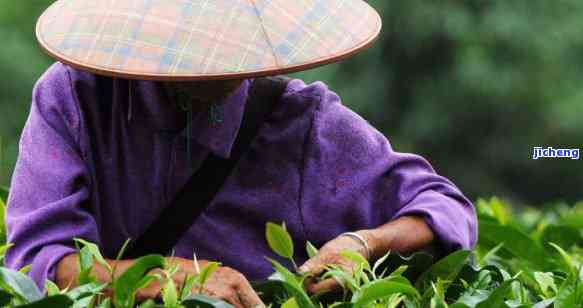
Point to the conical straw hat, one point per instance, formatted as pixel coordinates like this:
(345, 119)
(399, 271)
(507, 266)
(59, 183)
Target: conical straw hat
(204, 39)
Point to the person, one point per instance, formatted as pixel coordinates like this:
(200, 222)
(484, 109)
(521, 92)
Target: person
(118, 126)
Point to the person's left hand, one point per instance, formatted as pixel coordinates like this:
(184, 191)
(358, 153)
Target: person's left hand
(403, 235)
(329, 254)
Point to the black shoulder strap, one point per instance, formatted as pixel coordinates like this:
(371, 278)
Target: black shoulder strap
(199, 191)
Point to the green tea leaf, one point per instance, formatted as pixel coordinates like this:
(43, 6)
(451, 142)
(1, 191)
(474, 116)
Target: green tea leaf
(567, 259)
(382, 289)
(4, 248)
(128, 283)
(85, 265)
(517, 243)
(379, 262)
(546, 282)
(446, 269)
(492, 252)
(3, 194)
(122, 250)
(52, 288)
(19, 284)
(500, 210)
(399, 271)
(498, 296)
(189, 284)
(85, 302)
(437, 300)
(570, 293)
(547, 303)
(25, 269)
(202, 301)
(169, 294)
(285, 274)
(150, 304)
(290, 303)
(311, 250)
(94, 252)
(293, 285)
(356, 258)
(347, 281)
(55, 301)
(206, 272)
(5, 298)
(472, 297)
(341, 305)
(2, 213)
(86, 290)
(564, 236)
(279, 240)
(106, 303)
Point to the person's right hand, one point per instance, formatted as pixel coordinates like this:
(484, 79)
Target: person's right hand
(225, 283)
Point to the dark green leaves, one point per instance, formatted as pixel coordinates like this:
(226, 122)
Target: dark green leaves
(3, 193)
(134, 278)
(446, 268)
(202, 301)
(516, 243)
(293, 284)
(19, 285)
(55, 301)
(498, 296)
(382, 289)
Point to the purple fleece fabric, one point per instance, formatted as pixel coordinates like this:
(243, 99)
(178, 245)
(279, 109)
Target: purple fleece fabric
(88, 169)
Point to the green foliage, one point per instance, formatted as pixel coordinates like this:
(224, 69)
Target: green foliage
(447, 268)
(19, 286)
(2, 224)
(279, 240)
(206, 272)
(134, 278)
(202, 301)
(3, 193)
(310, 249)
(500, 272)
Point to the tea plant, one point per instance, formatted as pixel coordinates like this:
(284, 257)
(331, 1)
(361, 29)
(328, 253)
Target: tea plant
(533, 259)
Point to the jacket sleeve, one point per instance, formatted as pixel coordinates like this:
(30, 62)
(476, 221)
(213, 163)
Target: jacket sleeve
(49, 188)
(355, 179)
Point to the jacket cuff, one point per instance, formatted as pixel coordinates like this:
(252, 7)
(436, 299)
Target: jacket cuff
(45, 263)
(453, 222)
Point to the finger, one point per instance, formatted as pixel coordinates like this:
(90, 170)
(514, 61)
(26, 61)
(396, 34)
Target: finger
(313, 266)
(248, 296)
(327, 285)
(250, 300)
(233, 299)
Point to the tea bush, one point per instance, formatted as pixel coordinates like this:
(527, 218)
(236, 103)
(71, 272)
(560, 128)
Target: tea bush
(530, 259)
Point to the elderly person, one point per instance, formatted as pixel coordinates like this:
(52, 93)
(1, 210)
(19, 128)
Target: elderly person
(149, 93)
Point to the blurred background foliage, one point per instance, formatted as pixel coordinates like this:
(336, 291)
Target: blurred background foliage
(470, 85)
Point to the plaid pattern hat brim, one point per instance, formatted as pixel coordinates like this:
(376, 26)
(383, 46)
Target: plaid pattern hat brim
(205, 39)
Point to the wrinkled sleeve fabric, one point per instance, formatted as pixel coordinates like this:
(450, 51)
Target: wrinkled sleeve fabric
(354, 179)
(49, 189)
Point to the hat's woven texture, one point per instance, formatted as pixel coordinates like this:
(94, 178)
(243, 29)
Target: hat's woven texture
(195, 39)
